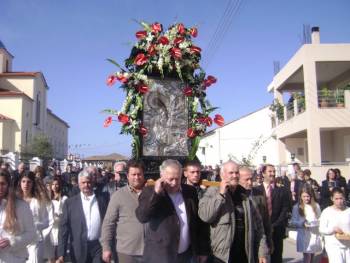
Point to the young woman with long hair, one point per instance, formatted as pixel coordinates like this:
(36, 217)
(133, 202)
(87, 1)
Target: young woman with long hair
(16, 223)
(305, 218)
(57, 199)
(33, 192)
(335, 220)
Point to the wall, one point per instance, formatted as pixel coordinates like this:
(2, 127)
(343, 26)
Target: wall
(57, 132)
(236, 140)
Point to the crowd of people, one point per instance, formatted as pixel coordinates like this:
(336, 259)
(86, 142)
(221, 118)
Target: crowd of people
(94, 215)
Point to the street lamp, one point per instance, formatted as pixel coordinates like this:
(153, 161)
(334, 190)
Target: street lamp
(292, 156)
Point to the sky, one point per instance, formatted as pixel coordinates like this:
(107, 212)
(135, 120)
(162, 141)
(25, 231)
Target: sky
(69, 42)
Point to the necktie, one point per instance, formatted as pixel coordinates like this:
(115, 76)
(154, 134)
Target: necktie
(269, 199)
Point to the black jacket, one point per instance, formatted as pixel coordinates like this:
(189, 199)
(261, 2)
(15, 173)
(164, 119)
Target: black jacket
(163, 226)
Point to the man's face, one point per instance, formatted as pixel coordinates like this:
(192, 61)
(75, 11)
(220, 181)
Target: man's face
(21, 167)
(172, 178)
(85, 185)
(3, 186)
(118, 169)
(269, 175)
(136, 178)
(193, 174)
(338, 200)
(230, 173)
(246, 179)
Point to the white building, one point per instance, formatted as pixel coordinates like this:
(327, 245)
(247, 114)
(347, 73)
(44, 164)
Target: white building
(23, 110)
(313, 128)
(250, 137)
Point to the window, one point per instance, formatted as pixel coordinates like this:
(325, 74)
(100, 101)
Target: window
(37, 112)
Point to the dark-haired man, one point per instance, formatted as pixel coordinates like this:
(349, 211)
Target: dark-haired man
(120, 222)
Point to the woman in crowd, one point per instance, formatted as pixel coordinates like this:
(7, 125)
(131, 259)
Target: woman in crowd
(305, 217)
(31, 191)
(57, 199)
(39, 172)
(327, 187)
(16, 223)
(335, 220)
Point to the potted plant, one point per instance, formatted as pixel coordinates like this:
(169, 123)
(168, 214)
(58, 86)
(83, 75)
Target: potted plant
(278, 108)
(325, 95)
(300, 98)
(339, 98)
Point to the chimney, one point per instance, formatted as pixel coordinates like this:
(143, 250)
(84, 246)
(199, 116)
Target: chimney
(315, 35)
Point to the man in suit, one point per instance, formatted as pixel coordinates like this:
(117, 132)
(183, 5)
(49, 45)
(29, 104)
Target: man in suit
(81, 222)
(246, 181)
(170, 210)
(277, 202)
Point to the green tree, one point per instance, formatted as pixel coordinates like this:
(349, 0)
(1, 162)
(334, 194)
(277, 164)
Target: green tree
(41, 147)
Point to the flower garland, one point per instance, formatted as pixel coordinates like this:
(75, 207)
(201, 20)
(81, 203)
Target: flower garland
(169, 53)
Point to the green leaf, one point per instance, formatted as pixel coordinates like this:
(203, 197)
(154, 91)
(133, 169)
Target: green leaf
(115, 63)
(110, 111)
(136, 147)
(210, 110)
(194, 147)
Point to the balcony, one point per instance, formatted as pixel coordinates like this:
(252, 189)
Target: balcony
(331, 98)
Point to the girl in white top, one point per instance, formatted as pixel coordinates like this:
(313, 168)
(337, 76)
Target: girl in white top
(16, 223)
(334, 220)
(305, 218)
(33, 192)
(57, 199)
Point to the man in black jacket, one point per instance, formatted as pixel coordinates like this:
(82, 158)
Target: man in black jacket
(170, 210)
(277, 202)
(81, 222)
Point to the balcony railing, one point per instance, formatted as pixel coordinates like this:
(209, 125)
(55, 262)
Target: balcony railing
(331, 98)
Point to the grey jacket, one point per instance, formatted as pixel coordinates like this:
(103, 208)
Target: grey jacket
(218, 211)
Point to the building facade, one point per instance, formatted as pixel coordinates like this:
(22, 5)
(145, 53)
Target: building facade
(249, 139)
(23, 110)
(311, 123)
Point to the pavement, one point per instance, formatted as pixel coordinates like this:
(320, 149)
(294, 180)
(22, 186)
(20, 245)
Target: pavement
(290, 254)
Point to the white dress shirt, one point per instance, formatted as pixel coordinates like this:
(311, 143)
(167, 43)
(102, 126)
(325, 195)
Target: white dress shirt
(180, 208)
(92, 216)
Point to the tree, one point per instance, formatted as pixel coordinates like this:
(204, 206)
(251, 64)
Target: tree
(41, 147)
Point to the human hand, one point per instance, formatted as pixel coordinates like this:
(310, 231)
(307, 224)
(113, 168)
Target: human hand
(4, 242)
(107, 256)
(159, 186)
(337, 230)
(224, 186)
(262, 260)
(60, 260)
(202, 259)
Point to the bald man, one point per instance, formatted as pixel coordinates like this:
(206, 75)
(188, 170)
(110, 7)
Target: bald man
(236, 229)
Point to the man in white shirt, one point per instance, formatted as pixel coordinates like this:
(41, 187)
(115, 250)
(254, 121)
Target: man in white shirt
(81, 221)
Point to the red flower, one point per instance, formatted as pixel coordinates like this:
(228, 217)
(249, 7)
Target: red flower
(194, 32)
(219, 120)
(188, 91)
(178, 40)
(111, 80)
(142, 88)
(176, 53)
(152, 50)
(141, 34)
(195, 49)
(123, 118)
(156, 27)
(208, 121)
(163, 40)
(140, 59)
(212, 79)
(191, 133)
(209, 81)
(143, 130)
(122, 78)
(107, 122)
(181, 29)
